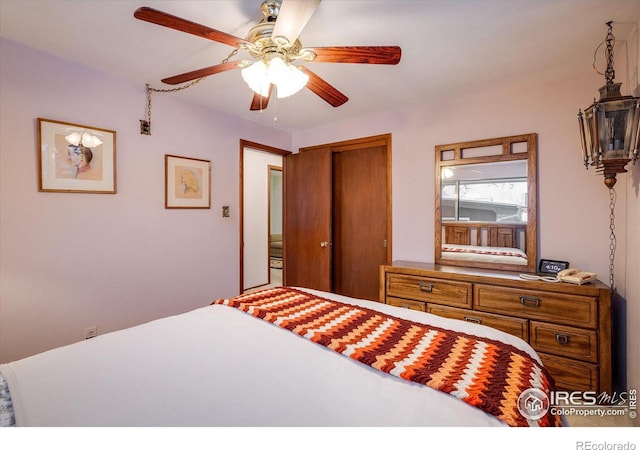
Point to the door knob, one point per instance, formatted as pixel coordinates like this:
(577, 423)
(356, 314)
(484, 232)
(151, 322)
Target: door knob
(324, 244)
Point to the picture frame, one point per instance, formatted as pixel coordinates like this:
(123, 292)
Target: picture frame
(75, 158)
(187, 182)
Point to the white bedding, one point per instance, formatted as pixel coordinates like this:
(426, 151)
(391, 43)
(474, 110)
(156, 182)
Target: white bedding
(218, 366)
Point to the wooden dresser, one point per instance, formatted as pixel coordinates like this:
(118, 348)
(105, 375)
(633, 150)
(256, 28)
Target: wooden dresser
(568, 325)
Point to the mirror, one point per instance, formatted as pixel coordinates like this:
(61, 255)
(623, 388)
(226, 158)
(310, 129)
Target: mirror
(486, 202)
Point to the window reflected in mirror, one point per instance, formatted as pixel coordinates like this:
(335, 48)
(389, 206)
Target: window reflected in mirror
(491, 192)
(486, 204)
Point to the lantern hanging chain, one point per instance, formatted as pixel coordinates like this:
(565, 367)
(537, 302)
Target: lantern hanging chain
(612, 235)
(610, 41)
(181, 88)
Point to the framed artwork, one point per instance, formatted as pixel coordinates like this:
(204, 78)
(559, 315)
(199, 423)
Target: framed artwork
(187, 182)
(76, 158)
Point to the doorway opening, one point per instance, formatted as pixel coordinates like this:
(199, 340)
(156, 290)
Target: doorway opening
(275, 224)
(261, 194)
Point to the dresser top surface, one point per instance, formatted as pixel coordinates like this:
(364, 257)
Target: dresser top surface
(492, 276)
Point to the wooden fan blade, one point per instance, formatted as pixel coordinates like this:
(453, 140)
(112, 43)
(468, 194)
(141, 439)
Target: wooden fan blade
(201, 73)
(323, 89)
(167, 20)
(259, 102)
(359, 55)
(293, 17)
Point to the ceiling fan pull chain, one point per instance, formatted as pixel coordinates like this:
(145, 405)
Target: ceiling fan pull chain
(275, 100)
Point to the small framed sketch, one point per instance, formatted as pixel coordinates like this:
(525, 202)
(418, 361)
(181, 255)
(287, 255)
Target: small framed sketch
(187, 182)
(76, 158)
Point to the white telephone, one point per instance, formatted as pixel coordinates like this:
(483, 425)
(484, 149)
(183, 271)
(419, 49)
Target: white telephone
(576, 276)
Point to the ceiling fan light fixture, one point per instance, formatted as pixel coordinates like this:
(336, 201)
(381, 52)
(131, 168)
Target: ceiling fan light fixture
(277, 70)
(294, 81)
(257, 78)
(287, 78)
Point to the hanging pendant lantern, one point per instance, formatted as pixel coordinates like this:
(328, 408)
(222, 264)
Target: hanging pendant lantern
(609, 127)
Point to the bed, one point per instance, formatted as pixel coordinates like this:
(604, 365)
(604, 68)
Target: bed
(484, 242)
(238, 363)
(501, 255)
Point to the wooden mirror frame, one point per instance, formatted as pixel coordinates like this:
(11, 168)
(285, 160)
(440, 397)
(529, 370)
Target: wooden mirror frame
(463, 153)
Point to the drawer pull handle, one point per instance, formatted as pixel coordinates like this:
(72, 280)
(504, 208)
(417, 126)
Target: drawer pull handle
(562, 339)
(473, 319)
(530, 301)
(425, 287)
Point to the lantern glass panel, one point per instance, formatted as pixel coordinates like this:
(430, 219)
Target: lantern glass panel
(616, 127)
(592, 144)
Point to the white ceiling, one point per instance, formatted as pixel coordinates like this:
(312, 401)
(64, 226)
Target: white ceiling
(449, 47)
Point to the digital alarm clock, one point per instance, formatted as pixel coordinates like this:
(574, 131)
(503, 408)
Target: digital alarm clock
(551, 266)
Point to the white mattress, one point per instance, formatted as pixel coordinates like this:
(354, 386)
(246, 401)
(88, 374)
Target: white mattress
(218, 366)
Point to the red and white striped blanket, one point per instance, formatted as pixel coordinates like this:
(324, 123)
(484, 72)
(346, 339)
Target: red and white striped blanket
(485, 373)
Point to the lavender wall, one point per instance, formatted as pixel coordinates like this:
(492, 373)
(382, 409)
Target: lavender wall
(70, 261)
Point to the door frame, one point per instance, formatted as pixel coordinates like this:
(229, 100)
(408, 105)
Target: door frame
(259, 147)
(359, 143)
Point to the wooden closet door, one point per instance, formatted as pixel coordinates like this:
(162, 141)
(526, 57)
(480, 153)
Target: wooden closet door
(360, 232)
(307, 220)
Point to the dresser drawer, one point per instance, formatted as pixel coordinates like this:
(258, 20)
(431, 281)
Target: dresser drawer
(511, 325)
(555, 307)
(571, 375)
(564, 341)
(454, 293)
(409, 304)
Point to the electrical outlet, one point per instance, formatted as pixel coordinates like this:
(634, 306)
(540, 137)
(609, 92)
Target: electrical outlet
(90, 332)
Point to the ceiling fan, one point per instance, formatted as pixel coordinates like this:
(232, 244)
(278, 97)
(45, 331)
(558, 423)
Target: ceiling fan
(272, 42)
